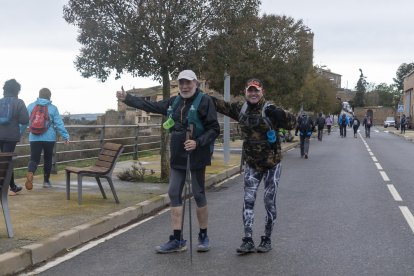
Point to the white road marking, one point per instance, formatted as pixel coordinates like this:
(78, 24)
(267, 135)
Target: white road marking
(408, 216)
(370, 153)
(379, 167)
(89, 245)
(376, 130)
(374, 159)
(394, 192)
(386, 131)
(384, 176)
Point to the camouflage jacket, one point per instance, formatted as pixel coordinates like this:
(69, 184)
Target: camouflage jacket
(258, 153)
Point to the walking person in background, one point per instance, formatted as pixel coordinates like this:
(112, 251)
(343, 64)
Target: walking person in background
(367, 123)
(259, 121)
(305, 127)
(13, 115)
(403, 123)
(321, 123)
(351, 121)
(44, 121)
(328, 122)
(343, 122)
(355, 124)
(207, 128)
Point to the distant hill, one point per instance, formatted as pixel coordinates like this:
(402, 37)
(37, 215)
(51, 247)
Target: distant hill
(86, 116)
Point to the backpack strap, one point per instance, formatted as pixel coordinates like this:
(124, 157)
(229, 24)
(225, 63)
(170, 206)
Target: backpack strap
(192, 115)
(264, 117)
(172, 107)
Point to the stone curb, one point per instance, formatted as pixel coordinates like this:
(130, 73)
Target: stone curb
(22, 258)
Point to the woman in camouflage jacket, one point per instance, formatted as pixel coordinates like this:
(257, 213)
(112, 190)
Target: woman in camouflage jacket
(259, 121)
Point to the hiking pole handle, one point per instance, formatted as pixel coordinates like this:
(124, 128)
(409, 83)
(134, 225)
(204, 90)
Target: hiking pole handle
(189, 133)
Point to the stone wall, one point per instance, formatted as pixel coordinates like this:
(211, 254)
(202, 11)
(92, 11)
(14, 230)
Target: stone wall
(379, 113)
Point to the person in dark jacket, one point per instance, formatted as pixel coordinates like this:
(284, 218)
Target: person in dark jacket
(321, 124)
(259, 121)
(199, 148)
(11, 131)
(355, 124)
(343, 121)
(305, 127)
(403, 123)
(367, 123)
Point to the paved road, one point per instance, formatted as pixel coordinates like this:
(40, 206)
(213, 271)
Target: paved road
(339, 213)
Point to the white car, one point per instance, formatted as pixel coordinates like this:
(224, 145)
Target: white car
(389, 121)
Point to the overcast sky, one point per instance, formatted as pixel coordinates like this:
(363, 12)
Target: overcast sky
(37, 47)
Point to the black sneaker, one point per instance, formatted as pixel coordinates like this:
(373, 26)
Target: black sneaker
(306, 156)
(265, 245)
(247, 246)
(15, 188)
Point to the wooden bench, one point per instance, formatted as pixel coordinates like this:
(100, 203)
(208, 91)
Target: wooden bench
(103, 168)
(6, 171)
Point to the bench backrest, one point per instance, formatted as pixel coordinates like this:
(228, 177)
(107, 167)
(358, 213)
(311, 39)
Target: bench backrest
(6, 169)
(108, 156)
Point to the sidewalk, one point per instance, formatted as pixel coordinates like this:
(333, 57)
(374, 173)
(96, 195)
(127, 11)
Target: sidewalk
(409, 134)
(45, 224)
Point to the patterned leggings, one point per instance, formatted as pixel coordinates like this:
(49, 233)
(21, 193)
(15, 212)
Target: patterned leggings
(252, 180)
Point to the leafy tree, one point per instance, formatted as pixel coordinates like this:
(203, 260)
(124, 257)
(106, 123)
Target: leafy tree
(361, 88)
(402, 71)
(388, 95)
(275, 49)
(318, 94)
(147, 38)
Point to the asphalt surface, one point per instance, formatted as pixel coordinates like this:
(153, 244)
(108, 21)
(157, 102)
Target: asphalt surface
(336, 216)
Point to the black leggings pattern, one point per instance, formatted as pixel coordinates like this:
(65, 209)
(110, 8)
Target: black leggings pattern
(252, 179)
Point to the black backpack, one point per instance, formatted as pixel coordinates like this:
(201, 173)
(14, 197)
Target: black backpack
(304, 123)
(321, 122)
(343, 120)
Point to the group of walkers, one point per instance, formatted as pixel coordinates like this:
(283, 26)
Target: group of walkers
(41, 118)
(193, 126)
(306, 126)
(344, 121)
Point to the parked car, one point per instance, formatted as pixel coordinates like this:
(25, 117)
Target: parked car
(389, 121)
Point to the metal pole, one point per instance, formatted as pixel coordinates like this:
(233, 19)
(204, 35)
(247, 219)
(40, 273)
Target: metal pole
(102, 138)
(226, 123)
(136, 144)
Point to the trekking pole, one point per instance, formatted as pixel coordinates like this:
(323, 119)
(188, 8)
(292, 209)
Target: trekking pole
(188, 188)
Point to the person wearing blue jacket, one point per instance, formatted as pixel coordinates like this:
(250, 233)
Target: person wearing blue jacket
(46, 140)
(343, 121)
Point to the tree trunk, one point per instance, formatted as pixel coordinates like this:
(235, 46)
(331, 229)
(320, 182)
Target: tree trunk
(165, 164)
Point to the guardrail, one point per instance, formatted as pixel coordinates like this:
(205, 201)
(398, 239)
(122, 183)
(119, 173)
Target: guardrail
(87, 140)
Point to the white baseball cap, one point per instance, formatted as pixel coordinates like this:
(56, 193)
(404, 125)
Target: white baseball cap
(187, 75)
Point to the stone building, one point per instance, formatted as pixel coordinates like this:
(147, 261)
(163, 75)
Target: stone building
(333, 77)
(408, 94)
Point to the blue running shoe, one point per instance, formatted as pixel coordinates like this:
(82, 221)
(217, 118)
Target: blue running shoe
(171, 246)
(203, 243)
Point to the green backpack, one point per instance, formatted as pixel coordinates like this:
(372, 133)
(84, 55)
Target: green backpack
(192, 115)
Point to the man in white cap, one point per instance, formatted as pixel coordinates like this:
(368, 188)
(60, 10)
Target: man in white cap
(190, 107)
